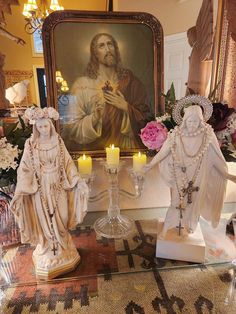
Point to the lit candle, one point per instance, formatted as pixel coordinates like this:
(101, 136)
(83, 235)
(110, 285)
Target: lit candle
(113, 155)
(139, 160)
(85, 164)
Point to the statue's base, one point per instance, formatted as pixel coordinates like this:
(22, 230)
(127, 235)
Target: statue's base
(190, 248)
(57, 270)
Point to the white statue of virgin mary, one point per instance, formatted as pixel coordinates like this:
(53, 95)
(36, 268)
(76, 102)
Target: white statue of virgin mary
(193, 166)
(50, 197)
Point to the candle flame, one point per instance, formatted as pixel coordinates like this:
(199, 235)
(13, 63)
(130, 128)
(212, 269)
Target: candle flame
(84, 157)
(139, 154)
(112, 146)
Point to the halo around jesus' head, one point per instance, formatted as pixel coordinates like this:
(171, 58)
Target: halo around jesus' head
(201, 101)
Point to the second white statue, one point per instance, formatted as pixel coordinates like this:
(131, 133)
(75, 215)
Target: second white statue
(193, 166)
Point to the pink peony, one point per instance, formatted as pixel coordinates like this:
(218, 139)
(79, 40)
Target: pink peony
(233, 136)
(1, 131)
(154, 135)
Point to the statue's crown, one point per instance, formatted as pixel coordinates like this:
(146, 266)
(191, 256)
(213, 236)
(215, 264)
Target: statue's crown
(35, 113)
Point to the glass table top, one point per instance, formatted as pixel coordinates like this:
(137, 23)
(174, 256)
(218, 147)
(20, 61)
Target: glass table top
(123, 275)
(105, 257)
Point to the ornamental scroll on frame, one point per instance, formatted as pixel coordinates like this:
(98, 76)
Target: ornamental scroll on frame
(67, 36)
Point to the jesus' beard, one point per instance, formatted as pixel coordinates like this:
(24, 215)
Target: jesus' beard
(109, 60)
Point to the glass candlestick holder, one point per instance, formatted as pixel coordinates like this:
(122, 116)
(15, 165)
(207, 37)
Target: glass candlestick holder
(113, 225)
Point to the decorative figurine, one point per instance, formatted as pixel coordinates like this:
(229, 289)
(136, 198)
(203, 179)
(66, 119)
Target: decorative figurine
(50, 197)
(193, 166)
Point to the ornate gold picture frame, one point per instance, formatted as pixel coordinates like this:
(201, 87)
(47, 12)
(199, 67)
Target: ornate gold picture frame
(104, 74)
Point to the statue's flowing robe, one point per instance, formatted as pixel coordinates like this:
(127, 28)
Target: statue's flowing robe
(211, 181)
(68, 202)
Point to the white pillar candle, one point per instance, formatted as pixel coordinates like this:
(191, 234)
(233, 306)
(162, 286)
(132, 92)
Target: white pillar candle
(139, 160)
(113, 156)
(85, 164)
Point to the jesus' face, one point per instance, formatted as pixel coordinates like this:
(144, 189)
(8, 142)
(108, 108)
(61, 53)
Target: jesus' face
(192, 123)
(105, 51)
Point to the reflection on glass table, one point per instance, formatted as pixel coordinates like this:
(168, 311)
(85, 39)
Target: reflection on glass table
(102, 256)
(231, 294)
(124, 273)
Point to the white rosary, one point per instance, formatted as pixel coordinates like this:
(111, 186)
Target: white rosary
(58, 188)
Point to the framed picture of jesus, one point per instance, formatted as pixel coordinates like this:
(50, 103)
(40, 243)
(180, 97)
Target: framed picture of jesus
(104, 74)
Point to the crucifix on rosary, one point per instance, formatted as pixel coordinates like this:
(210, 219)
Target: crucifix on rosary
(54, 249)
(189, 190)
(180, 208)
(54, 246)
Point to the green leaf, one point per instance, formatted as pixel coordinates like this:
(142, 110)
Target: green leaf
(190, 91)
(9, 128)
(22, 122)
(212, 95)
(172, 93)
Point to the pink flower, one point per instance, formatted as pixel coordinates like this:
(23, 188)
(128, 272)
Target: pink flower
(153, 135)
(45, 113)
(1, 131)
(233, 136)
(52, 113)
(220, 142)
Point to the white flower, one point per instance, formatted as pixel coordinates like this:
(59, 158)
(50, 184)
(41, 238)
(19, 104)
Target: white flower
(8, 154)
(52, 113)
(162, 118)
(36, 113)
(231, 124)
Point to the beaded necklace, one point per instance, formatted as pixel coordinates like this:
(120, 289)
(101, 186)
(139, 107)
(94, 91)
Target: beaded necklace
(187, 187)
(198, 151)
(47, 214)
(195, 157)
(190, 134)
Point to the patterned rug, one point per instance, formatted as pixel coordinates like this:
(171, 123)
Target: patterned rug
(194, 290)
(98, 255)
(121, 276)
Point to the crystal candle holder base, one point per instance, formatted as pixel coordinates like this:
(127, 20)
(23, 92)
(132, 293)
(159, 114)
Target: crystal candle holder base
(114, 227)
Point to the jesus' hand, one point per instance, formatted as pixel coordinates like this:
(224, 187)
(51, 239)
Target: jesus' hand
(98, 109)
(117, 100)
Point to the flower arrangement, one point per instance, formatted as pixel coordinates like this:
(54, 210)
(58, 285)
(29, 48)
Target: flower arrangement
(223, 121)
(12, 140)
(154, 135)
(8, 155)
